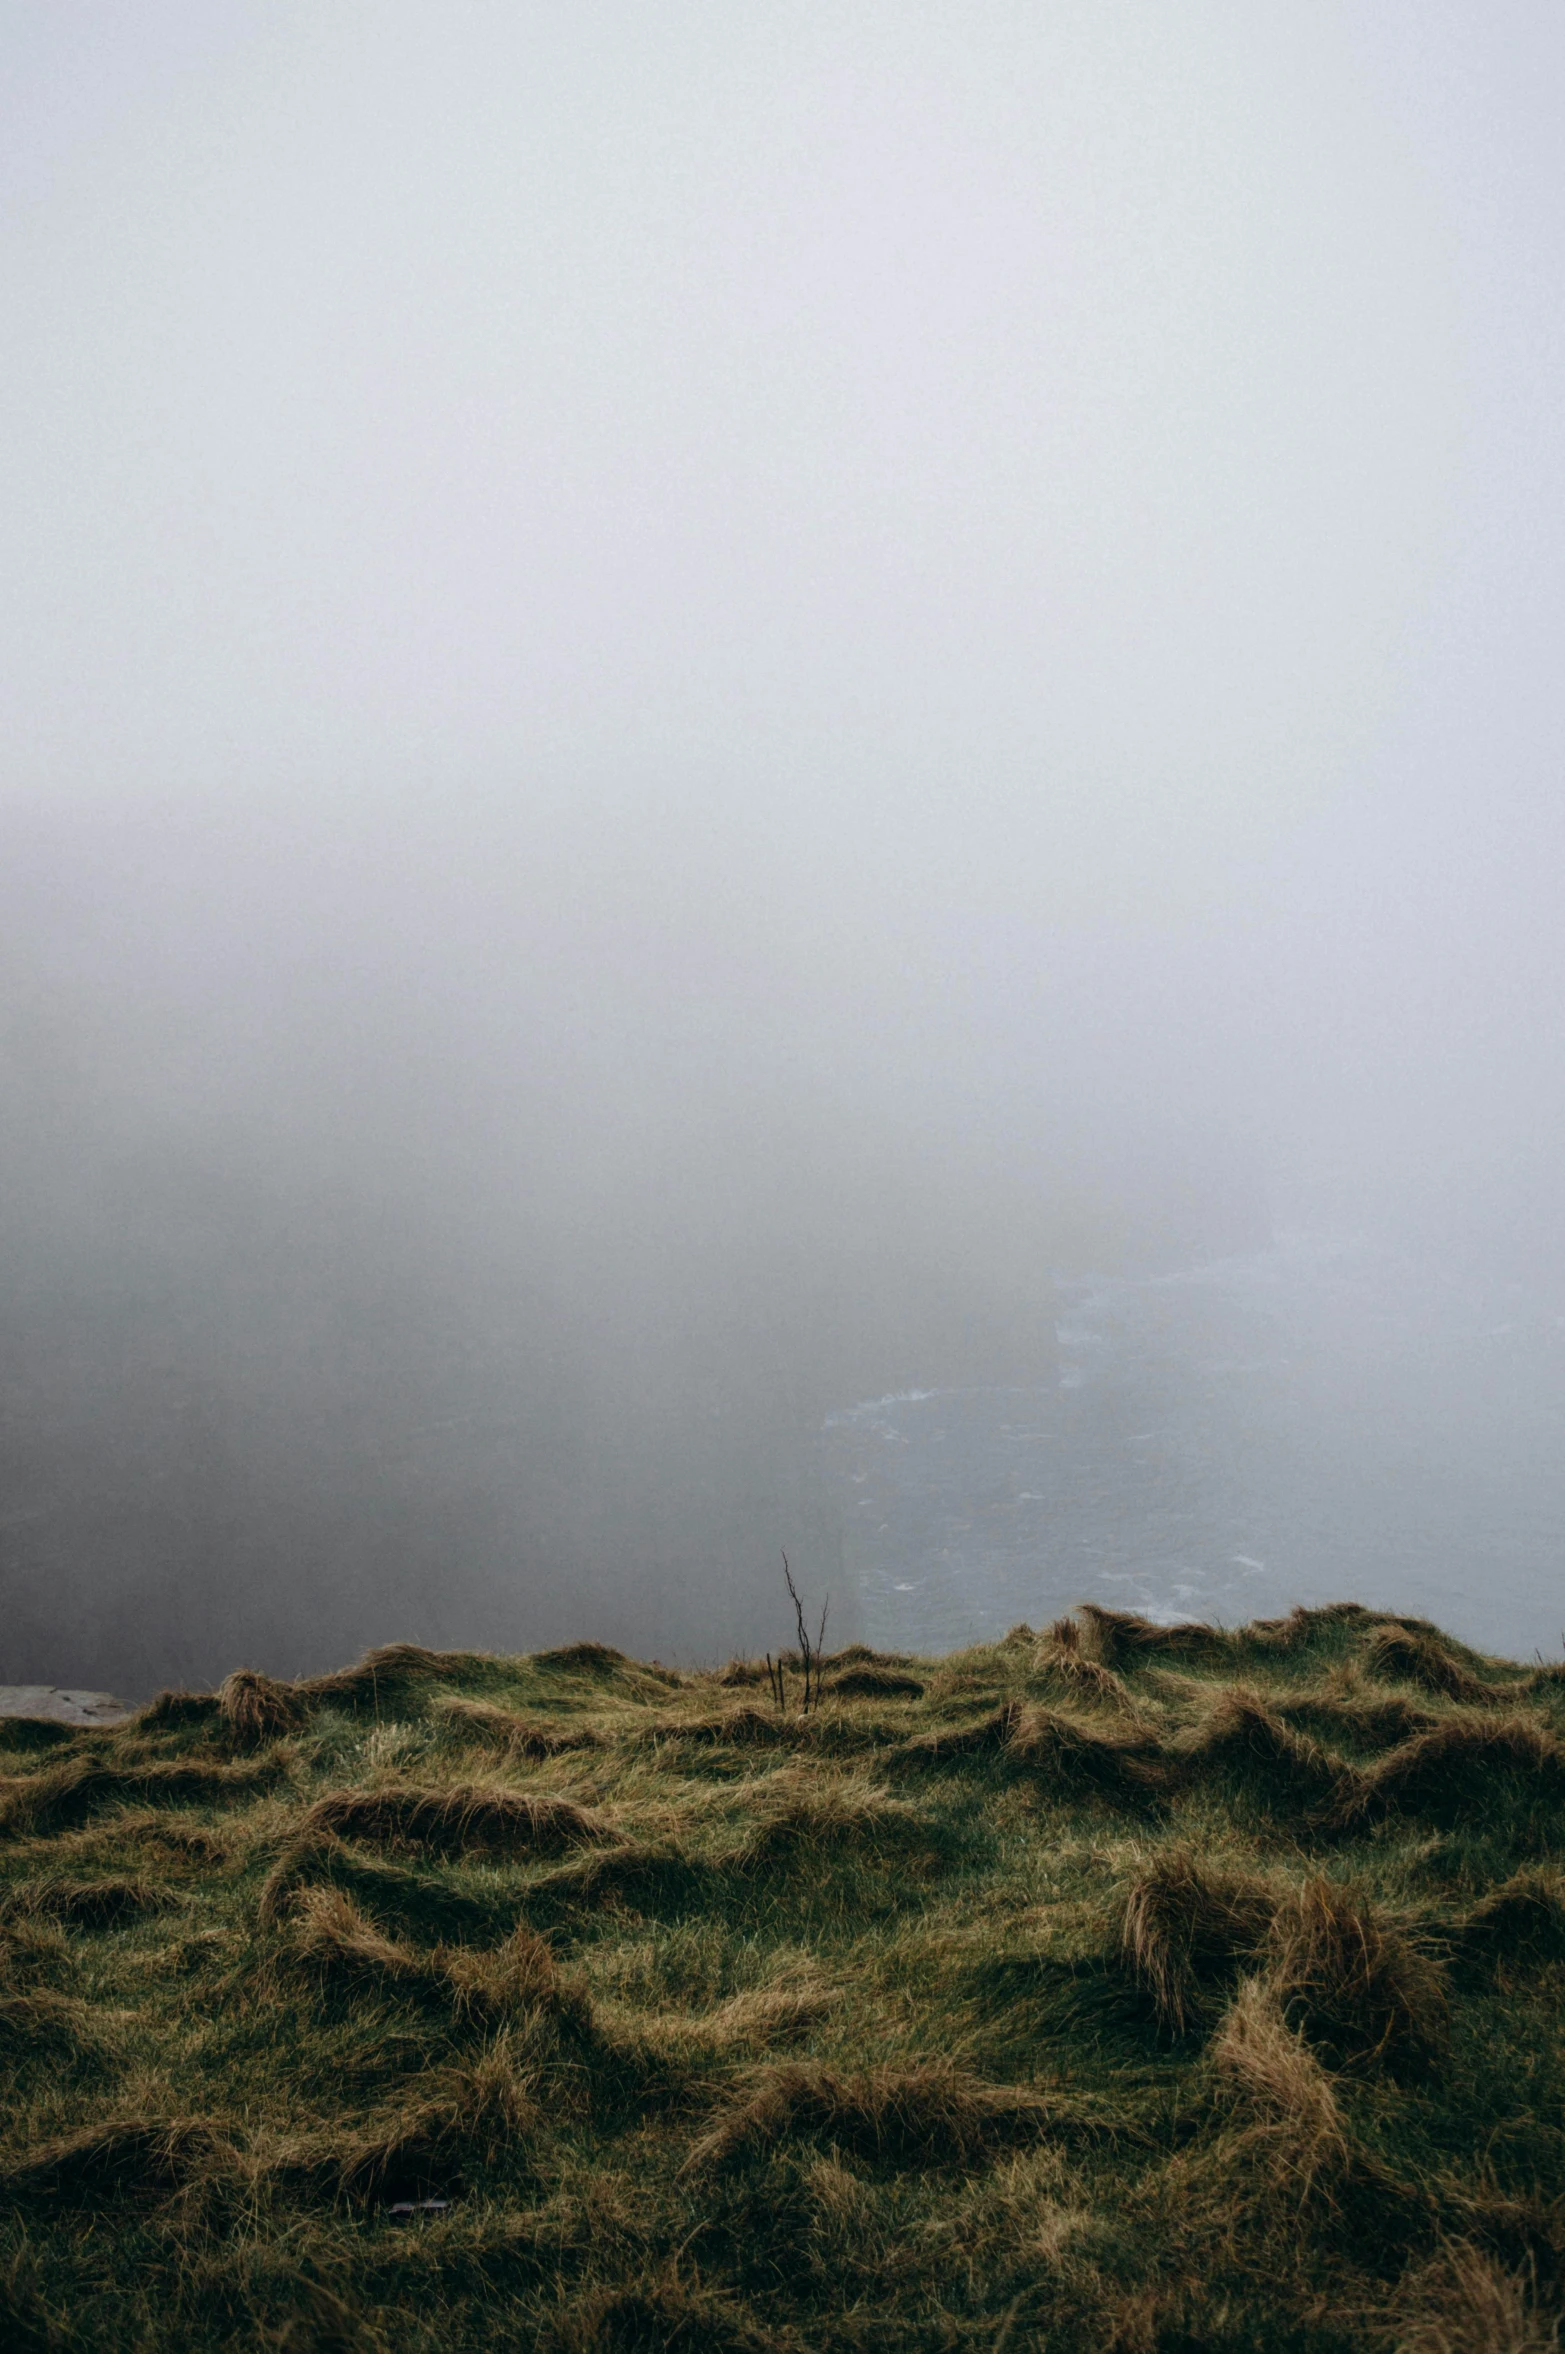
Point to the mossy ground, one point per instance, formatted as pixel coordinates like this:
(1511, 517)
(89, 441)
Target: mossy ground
(1110, 1987)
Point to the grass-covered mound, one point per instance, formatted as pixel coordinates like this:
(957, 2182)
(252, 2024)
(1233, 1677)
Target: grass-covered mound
(1114, 1987)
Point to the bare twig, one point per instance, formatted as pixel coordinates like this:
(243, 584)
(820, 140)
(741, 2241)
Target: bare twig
(809, 1653)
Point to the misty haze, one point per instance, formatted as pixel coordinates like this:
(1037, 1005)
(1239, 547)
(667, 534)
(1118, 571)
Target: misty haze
(775, 780)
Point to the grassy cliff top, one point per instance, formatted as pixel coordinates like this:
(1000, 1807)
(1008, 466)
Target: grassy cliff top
(1111, 1987)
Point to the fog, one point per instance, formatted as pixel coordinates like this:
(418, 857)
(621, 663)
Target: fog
(705, 708)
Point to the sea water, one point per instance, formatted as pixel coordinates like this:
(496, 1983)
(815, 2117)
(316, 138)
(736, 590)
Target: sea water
(1314, 1421)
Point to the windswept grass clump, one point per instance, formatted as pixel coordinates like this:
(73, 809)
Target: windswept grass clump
(387, 1682)
(1122, 1639)
(1465, 1768)
(117, 2158)
(870, 1681)
(923, 2116)
(1118, 1987)
(328, 1936)
(256, 1709)
(1363, 1989)
(1422, 1655)
(105, 1903)
(468, 1819)
(1244, 1747)
(1518, 1926)
(482, 1725)
(1190, 1929)
(1292, 2135)
(64, 1794)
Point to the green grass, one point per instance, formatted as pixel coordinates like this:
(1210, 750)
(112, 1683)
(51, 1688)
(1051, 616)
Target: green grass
(1113, 1987)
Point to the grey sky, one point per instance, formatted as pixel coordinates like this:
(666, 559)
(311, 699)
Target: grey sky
(1051, 432)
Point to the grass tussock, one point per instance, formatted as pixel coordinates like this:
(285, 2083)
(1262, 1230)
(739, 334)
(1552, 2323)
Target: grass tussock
(386, 1681)
(45, 2023)
(907, 2116)
(1082, 1678)
(1190, 1930)
(817, 1822)
(1115, 1987)
(468, 1819)
(1292, 2130)
(1461, 1769)
(1069, 1755)
(459, 2120)
(1347, 1710)
(256, 1709)
(1122, 1639)
(1518, 1926)
(1466, 2303)
(177, 1712)
(106, 1903)
(872, 1682)
(327, 1935)
(482, 1724)
(984, 1736)
(66, 1793)
(1246, 1747)
(1422, 1656)
(1362, 1989)
(120, 2158)
(583, 1659)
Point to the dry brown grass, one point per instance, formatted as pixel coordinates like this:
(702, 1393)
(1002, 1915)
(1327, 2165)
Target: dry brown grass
(65, 1794)
(424, 2144)
(870, 1682)
(327, 1933)
(1083, 1678)
(255, 1708)
(105, 1903)
(1362, 1989)
(1464, 2303)
(1190, 1930)
(1456, 1770)
(1243, 1740)
(518, 1975)
(1116, 1764)
(1293, 2137)
(121, 2157)
(1422, 1656)
(1123, 1639)
(500, 1729)
(1519, 1925)
(910, 2116)
(468, 1819)
(804, 1818)
(757, 2019)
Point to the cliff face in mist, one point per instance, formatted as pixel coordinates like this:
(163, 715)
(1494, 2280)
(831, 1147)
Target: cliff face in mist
(426, 1238)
